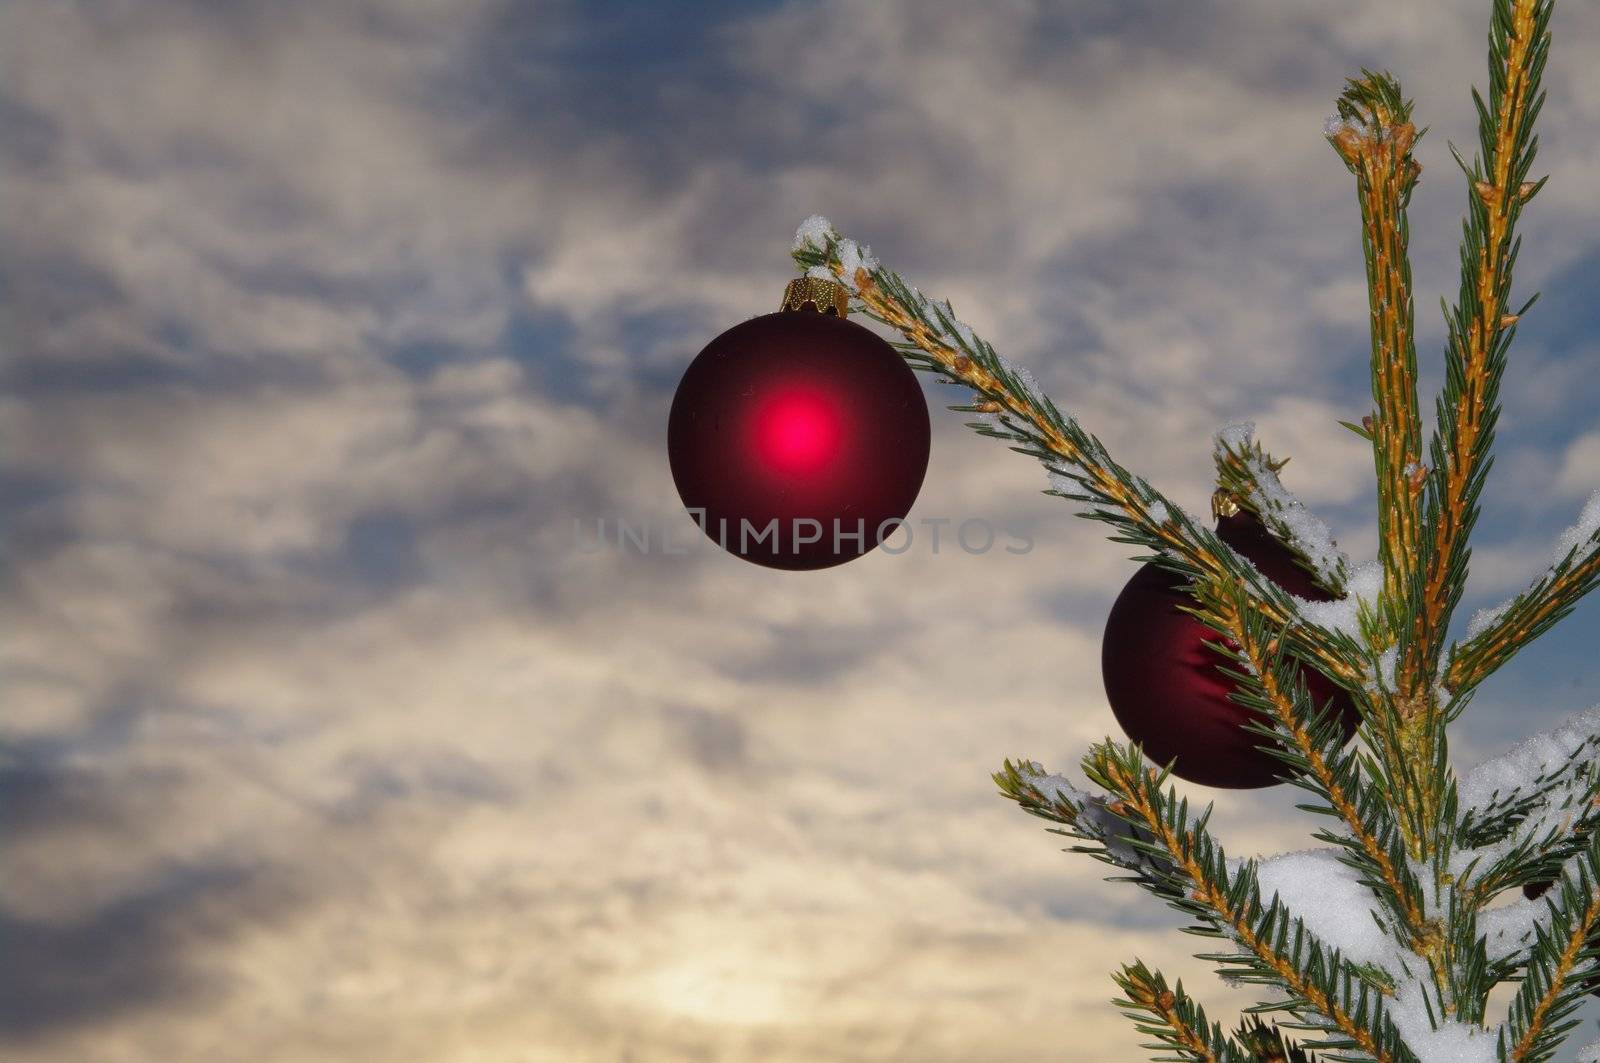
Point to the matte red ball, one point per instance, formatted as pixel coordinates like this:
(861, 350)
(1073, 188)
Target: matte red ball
(798, 417)
(1164, 683)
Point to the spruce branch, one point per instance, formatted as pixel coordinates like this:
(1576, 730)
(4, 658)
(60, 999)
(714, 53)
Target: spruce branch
(1409, 765)
(1535, 848)
(1268, 1045)
(1089, 818)
(1533, 612)
(1384, 841)
(1177, 1022)
(1316, 758)
(1374, 135)
(1528, 811)
(1249, 475)
(1326, 993)
(1552, 989)
(1481, 324)
(1407, 727)
(1012, 408)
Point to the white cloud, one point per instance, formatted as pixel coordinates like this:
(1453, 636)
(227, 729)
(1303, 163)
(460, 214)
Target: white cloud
(1580, 466)
(514, 798)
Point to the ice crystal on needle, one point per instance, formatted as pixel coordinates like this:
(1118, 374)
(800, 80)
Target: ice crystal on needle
(814, 233)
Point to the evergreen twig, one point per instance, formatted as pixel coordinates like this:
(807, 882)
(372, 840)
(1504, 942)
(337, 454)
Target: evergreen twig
(1014, 410)
(1526, 617)
(1324, 990)
(1552, 988)
(1248, 475)
(1481, 324)
(1177, 1022)
(1374, 135)
(1314, 754)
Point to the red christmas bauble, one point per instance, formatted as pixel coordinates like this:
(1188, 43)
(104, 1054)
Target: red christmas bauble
(800, 438)
(1164, 683)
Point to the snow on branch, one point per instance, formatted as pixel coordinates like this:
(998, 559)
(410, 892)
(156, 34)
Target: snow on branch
(1528, 809)
(1344, 614)
(1253, 476)
(1583, 538)
(1326, 894)
(1496, 633)
(1573, 547)
(1542, 767)
(1321, 890)
(817, 233)
(1090, 817)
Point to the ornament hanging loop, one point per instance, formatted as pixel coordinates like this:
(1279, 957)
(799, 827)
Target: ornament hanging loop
(816, 293)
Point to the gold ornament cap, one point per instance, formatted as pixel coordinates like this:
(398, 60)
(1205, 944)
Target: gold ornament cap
(815, 293)
(1224, 503)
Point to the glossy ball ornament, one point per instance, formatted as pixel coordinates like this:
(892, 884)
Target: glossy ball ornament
(799, 439)
(1164, 683)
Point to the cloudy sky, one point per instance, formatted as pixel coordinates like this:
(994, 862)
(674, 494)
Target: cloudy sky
(325, 320)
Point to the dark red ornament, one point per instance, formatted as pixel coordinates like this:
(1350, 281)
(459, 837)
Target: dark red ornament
(1163, 680)
(799, 440)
